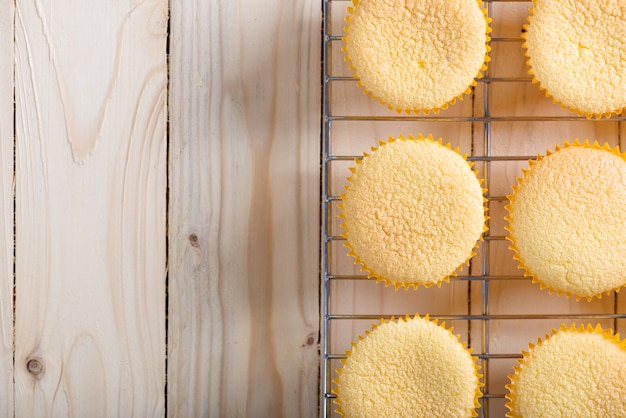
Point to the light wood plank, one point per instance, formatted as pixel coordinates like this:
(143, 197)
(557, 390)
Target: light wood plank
(244, 208)
(6, 208)
(91, 93)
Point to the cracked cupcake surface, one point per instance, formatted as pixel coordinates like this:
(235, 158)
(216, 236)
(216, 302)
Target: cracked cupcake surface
(412, 367)
(413, 212)
(567, 220)
(575, 372)
(575, 52)
(417, 55)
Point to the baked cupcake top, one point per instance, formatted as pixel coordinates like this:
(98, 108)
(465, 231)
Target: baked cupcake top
(416, 55)
(576, 53)
(413, 212)
(575, 372)
(412, 367)
(567, 220)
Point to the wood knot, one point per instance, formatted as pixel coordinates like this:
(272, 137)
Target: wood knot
(310, 340)
(35, 367)
(193, 240)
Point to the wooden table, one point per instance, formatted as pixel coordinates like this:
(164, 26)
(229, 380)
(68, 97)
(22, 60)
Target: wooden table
(166, 210)
(160, 208)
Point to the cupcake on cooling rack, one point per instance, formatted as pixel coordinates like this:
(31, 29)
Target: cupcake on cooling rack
(575, 372)
(412, 367)
(567, 220)
(575, 51)
(417, 56)
(413, 212)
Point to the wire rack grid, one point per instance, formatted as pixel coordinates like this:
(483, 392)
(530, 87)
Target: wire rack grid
(505, 122)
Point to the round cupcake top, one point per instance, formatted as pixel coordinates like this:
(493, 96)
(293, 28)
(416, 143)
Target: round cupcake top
(413, 212)
(416, 55)
(575, 372)
(567, 220)
(409, 368)
(576, 53)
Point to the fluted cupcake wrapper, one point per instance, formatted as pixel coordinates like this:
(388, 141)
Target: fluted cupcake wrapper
(572, 248)
(417, 333)
(554, 45)
(581, 357)
(411, 83)
(406, 254)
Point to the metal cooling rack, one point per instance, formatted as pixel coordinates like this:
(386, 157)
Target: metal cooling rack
(491, 123)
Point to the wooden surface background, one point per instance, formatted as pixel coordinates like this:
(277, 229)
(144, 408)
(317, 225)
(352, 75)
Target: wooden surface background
(6, 208)
(90, 268)
(244, 209)
(165, 198)
(166, 183)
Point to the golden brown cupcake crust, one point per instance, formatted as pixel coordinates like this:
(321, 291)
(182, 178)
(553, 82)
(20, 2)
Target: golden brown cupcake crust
(413, 212)
(412, 367)
(567, 220)
(575, 372)
(576, 53)
(419, 54)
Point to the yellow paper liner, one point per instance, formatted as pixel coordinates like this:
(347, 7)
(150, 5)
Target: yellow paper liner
(387, 281)
(509, 218)
(478, 392)
(426, 111)
(572, 109)
(514, 377)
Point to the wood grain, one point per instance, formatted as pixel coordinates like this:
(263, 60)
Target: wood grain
(244, 208)
(91, 94)
(6, 208)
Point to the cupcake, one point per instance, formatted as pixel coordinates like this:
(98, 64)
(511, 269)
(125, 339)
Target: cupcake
(413, 212)
(575, 52)
(575, 372)
(412, 367)
(567, 220)
(418, 55)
